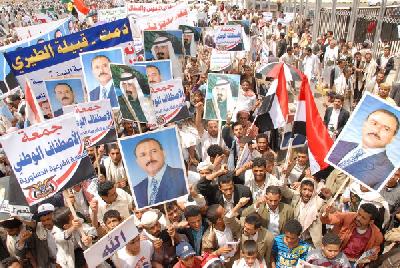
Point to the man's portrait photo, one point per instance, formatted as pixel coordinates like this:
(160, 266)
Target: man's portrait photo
(191, 35)
(368, 147)
(64, 92)
(97, 73)
(155, 168)
(156, 71)
(164, 45)
(221, 96)
(132, 88)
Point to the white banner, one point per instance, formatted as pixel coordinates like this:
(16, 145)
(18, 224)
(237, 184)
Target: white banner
(38, 29)
(111, 243)
(169, 20)
(146, 9)
(47, 157)
(169, 101)
(228, 37)
(221, 60)
(95, 121)
(112, 14)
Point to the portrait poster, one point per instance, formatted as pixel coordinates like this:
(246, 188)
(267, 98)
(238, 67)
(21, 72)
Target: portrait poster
(132, 88)
(228, 38)
(164, 45)
(156, 71)
(169, 101)
(367, 149)
(155, 154)
(95, 121)
(63, 92)
(208, 37)
(113, 241)
(97, 73)
(221, 96)
(48, 157)
(12, 200)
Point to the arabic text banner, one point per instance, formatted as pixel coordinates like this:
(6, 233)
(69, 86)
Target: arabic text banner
(221, 60)
(48, 157)
(111, 14)
(146, 9)
(169, 101)
(228, 38)
(60, 57)
(95, 121)
(111, 243)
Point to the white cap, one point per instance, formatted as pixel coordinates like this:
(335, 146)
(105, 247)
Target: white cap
(149, 218)
(45, 208)
(204, 165)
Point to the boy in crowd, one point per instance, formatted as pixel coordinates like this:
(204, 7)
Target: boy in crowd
(249, 256)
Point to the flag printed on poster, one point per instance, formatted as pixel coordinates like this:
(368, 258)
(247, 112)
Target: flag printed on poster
(228, 38)
(111, 243)
(48, 158)
(95, 121)
(169, 101)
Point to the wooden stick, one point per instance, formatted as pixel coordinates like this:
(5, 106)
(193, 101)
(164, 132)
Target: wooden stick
(96, 154)
(337, 193)
(167, 221)
(72, 209)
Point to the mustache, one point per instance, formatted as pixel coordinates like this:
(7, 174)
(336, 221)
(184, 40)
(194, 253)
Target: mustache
(65, 98)
(374, 134)
(103, 74)
(151, 162)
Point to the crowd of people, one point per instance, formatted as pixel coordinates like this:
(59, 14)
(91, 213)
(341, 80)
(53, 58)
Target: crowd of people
(262, 212)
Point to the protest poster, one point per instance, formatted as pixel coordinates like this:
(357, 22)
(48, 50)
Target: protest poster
(367, 149)
(132, 88)
(111, 243)
(111, 14)
(63, 92)
(151, 153)
(7, 78)
(195, 30)
(244, 23)
(221, 60)
(170, 20)
(95, 121)
(146, 9)
(97, 73)
(169, 101)
(228, 38)
(163, 45)
(60, 57)
(157, 71)
(29, 31)
(12, 202)
(47, 158)
(208, 37)
(221, 96)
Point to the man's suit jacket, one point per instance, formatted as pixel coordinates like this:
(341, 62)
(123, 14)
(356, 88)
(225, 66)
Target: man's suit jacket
(58, 112)
(371, 170)
(389, 65)
(342, 118)
(95, 95)
(285, 214)
(172, 185)
(214, 196)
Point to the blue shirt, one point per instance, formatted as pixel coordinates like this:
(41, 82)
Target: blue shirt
(197, 235)
(286, 257)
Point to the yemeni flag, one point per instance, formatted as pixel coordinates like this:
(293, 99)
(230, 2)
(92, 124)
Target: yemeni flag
(32, 109)
(274, 110)
(308, 122)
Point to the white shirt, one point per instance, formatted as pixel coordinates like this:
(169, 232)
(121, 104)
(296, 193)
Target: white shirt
(333, 121)
(342, 85)
(331, 54)
(115, 173)
(206, 140)
(241, 263)
(223, 237)
(310, 66)
(295, 173)
(124, 260)
(254, 188)
(158, 178)
(367, 152)
(121, 204)
(107, 89)
(228, 204)
(273, 225)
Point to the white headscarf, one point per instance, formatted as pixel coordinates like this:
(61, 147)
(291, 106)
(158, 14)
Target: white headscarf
(176, 64)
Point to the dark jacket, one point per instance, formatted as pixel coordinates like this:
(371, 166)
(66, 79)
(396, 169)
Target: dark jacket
(342, 119)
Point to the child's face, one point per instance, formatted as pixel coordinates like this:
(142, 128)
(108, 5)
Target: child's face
(292, 240)
(250, 259)
(331, 251)
(111, 223)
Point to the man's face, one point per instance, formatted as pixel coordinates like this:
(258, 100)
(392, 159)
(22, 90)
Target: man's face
(111, 196)
(243, 117)
(249, 259)
(363, 219)
(378, 130)
(259, 173)
(249, 229)
(238, 131)
(111, 223)
(302, 159)
(101, 70)
(368, 57)
(227, 189)
(150, 157)
(194, 222)
(358, 57)
(91, 152)
(47, 221)
(130, 89)
(337, 103)
(153, 75)
(220, 92)
(262, 144)
(64, 95)
(212, 128)
(154, 230)
(380, 78)
(306, 192)
(58, 34)
(175, 214)
(161, 51)
(133, 246)
(273, 200)
(115, 156)
(386, 52)
(384, 92)
(331, 251)
(187, 262)
(46, 107)
(291, 240)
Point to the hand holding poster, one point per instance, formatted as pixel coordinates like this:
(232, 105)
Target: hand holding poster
(169, 101)
(47, 158)
(111, 243)
(95, 121)
(228, 38)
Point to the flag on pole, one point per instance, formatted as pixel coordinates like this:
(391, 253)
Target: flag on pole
(274, 110)
(308, 122)
(32, 109)
(81, 7)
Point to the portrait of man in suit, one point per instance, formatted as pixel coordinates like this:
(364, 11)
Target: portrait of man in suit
(64, 95)
(101, 72)
(368, 160)
(163, 182)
